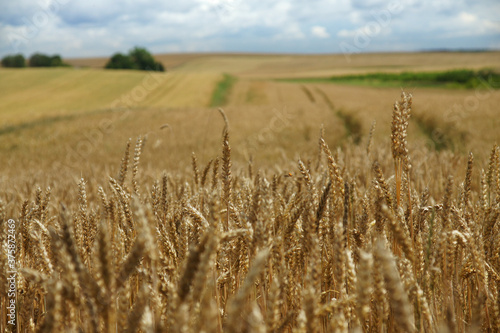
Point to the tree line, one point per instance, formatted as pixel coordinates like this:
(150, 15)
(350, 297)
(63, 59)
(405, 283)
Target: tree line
(36, 60)
(138, 58)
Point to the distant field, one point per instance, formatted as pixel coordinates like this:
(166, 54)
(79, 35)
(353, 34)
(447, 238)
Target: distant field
(286, 65)
(68, 103)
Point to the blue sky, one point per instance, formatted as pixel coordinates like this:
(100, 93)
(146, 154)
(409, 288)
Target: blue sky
(84, 28)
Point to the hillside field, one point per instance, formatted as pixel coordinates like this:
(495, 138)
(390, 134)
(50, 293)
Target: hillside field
(58, 109)
(246, 192)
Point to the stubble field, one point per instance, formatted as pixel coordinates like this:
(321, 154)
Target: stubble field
(303, 206)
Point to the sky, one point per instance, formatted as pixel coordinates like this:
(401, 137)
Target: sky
(88, 28)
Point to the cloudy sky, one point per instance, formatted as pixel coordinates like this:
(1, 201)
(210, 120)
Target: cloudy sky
(82, 28)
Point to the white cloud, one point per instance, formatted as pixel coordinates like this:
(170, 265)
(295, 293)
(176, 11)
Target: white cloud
(292, 31)
(102, 27)
(478, 26)
(467, 17)
(371, 29)
(320, 32)
(346, 33)
(469, 25)
(493, 27)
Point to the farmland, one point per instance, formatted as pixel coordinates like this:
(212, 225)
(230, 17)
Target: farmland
(55, 100)
(306, 205)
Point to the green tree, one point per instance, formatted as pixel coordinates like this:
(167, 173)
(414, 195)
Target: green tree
(16, 60)
(138, 58)
(43, 60)
(120, 61)
(56, 61)
(142, 58)
(39, 60)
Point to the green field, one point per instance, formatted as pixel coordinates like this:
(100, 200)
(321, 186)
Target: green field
(454, 79)
(222, 91)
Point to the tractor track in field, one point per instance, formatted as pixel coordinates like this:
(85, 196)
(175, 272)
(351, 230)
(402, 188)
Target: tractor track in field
(56, 119)
(309, 94)
(157, 94)
(440, 135)
(352, 125)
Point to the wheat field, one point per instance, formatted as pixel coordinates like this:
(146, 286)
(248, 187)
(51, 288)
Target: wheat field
(287, 210)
